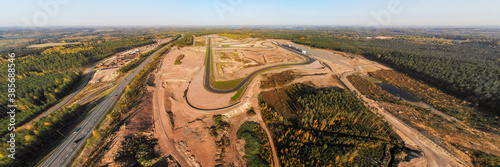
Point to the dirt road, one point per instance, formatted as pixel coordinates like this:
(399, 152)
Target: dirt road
(270, 138)
(161, 125)
(435, 155)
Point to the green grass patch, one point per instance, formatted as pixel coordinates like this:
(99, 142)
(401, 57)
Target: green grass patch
(225, 84)
(238, 93)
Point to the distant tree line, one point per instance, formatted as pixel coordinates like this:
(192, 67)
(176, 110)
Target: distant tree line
(469, 69)
(49, 75)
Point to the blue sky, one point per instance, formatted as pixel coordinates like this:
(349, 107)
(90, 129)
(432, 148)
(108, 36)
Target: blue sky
(248, 12)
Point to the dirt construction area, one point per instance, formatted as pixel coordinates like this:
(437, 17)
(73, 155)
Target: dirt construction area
(107, 70)
(181, 123)
(236, 59)
(181, 108)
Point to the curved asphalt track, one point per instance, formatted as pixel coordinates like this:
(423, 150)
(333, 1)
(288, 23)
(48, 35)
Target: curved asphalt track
(249, 77)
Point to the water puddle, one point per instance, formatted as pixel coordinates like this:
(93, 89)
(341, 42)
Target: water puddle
(398, 92)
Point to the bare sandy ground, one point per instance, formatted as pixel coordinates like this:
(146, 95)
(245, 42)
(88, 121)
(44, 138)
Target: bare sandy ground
(110, 74)
(189, 133)
(199, 97)
(242, 57)
(434, 155)
(105, 75)
(185, 133)
(140, 122)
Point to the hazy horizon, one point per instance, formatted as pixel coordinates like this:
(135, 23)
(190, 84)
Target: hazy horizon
(226, 13)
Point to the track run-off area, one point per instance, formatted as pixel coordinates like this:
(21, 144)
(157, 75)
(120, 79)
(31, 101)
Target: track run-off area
(209, 76)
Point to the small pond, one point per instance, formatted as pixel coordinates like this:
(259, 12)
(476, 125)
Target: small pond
(398, 92)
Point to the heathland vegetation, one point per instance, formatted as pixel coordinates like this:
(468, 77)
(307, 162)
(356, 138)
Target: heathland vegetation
(143, 56)
(277, 79)
(310, 126)
(448, 104)
(429, 123)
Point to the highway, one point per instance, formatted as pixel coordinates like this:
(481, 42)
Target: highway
(85, 80)
(68, 148)
(208, 64)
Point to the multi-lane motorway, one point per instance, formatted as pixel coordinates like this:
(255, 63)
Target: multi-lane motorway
(83, 83)
(68, 148)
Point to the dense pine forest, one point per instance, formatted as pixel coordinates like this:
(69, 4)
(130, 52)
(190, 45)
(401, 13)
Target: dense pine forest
(326, 126)
(33, 141)
(468, 69)
(46, 75)
(463, 62)
(426, 121)
(257, 148)
(36, 94)
(310, 126)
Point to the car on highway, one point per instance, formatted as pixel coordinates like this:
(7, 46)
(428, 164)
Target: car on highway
(78, 129)
(78, 140)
